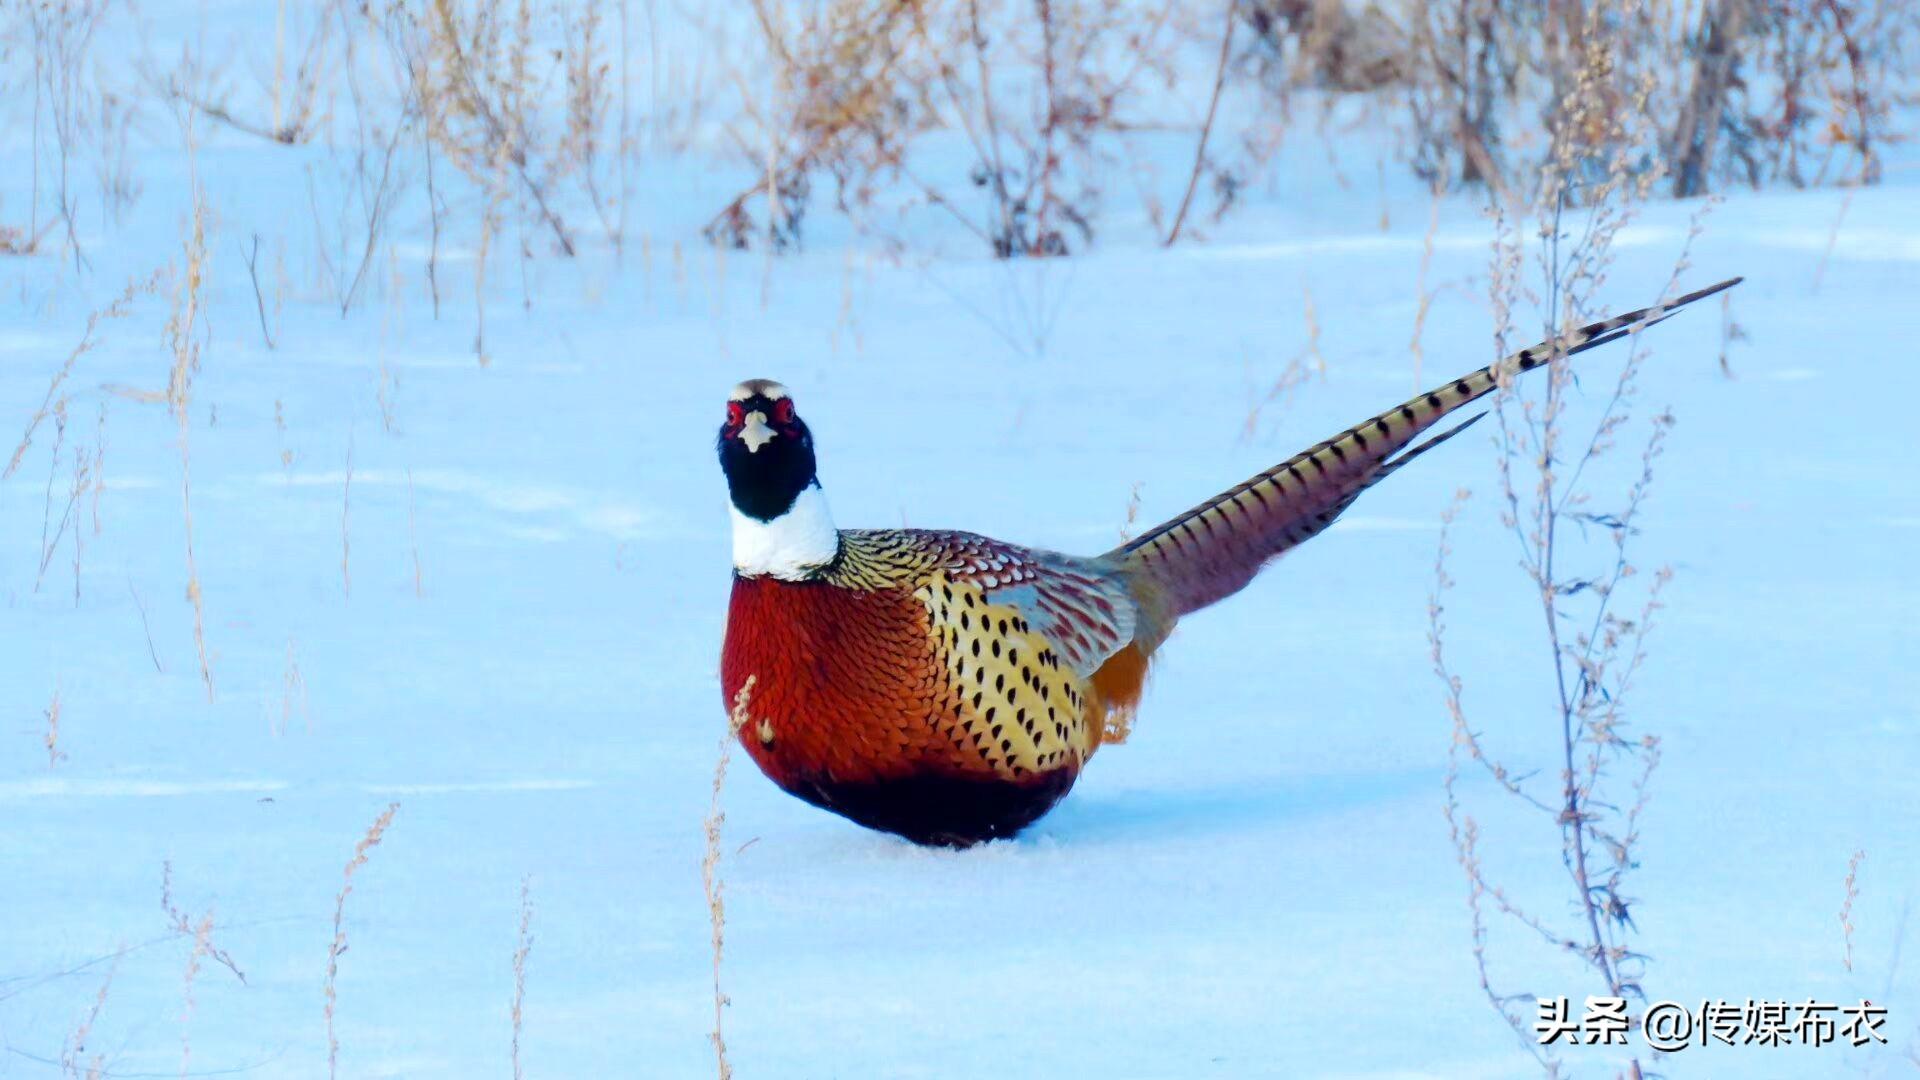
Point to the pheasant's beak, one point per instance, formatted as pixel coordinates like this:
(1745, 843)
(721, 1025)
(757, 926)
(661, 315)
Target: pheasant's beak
(755, 432)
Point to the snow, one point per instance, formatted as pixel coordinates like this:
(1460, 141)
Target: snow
(495, 594)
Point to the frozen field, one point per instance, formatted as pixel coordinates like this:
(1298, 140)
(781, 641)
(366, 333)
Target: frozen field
(494, 595)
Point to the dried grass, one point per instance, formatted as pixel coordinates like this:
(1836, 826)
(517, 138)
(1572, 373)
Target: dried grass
(73, 1060)
(711, 879)
(1852, 885)
(523, 947)
(1596, 652)
(186, 338)
(1040, 92)
(338, 945)
(69, 104)
(293, 695)
(201, 930)
(296, 110)
(54, 399)
(55, 755)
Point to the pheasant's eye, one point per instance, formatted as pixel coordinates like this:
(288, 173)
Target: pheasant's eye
(783, 411)
(736, 413)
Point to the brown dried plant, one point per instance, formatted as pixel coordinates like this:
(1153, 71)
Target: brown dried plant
(337, 947)
(71, 104)
(1038, 90)
(1596, 652)
(186, 337)
(296, 109)
(1746, 91)
(89, 339)
(201, 930)
(73, 1062)
(55, 755)
(480, 75)
(1852, 885)
(523, 947)
(710, 877)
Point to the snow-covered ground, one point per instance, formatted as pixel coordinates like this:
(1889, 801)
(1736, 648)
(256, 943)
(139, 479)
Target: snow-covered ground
(494, 596)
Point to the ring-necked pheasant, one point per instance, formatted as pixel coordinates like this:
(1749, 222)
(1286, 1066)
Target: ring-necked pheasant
(949, 687)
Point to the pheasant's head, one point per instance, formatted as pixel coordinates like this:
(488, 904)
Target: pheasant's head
(780, 526)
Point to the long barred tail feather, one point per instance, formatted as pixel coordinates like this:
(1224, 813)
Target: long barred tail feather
(1214, 549)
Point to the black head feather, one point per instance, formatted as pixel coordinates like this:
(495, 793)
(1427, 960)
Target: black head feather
(765, 450)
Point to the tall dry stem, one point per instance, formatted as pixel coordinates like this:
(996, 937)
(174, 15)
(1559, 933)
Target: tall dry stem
(523, 947)
(338, 945)
(117, 309)
(1846, 906)
(73, 1051)
(710, 876)
(55, 755)
(186, 337)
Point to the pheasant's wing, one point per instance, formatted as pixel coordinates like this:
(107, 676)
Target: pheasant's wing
(1086, 614)
(1081, 609)
(1020, 638)
(1072, 677)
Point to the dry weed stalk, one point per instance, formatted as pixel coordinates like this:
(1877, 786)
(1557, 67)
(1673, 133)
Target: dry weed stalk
(1461, 826)
(55, 755)
(201, 935)
(368, 179)
(1746, 91)
(1846, 907)
(338, 946)
(482, 78)
(286, 452)
(88, 341)
(183, 926)
(68, 101)
(146, 628)
(186, 337)
(251, 256)
(293, 694)
(710, 877)
(522, 948)
(73, 1051)
(98, 469)
(1039, 91)
(88, 483)
(1730, 332)
(1206, 126)
(51, 534)
(296, 113)
(1596, 654)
